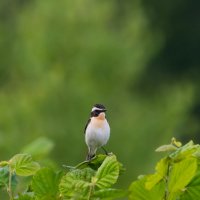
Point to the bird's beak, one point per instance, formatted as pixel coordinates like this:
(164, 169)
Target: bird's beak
(104, 110)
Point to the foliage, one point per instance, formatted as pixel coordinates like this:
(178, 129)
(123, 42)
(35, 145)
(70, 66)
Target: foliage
(176, 177)
(45, 184)
(18, 165)
(80, 182)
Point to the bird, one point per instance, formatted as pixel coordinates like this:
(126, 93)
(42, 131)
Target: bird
(97, 130)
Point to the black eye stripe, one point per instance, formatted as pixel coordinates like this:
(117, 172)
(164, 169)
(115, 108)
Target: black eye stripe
(99, 111)
(95, 113)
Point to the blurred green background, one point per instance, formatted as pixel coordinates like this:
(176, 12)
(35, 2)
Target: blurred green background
(140, 58)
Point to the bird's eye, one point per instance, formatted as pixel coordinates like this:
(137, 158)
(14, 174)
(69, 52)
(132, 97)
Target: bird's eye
(96, 112)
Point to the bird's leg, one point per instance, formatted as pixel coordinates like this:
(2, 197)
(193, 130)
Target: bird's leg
(90, 155)
(104, 150)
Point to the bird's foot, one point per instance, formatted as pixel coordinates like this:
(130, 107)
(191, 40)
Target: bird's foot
(89, 157)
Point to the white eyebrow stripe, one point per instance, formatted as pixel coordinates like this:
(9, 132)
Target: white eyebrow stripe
(95, 108)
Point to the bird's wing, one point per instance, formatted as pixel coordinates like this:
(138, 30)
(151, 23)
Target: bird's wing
(87, 125)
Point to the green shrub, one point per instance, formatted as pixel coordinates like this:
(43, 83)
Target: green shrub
(176, 177)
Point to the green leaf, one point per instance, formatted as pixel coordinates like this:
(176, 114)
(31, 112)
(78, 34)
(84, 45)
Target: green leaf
(192, 190)
(107, 173)
(4, 178)
(45, 183)
(39, 148)
(76, 183)
(4, 173)
(23, 165)
(3, 163)
(110, 193)
(181, 174)
(167, 147)
(161, 172)
(188, 150)
(170, 147)
(26, 196)
(139, 192)
(94, 163)
(175, 142)
(197, 153)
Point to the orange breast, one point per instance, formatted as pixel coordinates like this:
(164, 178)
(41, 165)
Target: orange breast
(101, 116)
(98, 123)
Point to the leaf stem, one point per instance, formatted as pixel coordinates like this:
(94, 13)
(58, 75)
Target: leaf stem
(166, 180)
(90, 191)
(9, 189)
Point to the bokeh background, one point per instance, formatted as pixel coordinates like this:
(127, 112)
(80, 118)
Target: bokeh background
(140, 58)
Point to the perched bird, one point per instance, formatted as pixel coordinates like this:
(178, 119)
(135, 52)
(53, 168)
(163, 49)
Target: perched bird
(97, 130)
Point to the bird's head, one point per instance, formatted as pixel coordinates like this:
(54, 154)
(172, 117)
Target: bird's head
(98, 110)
